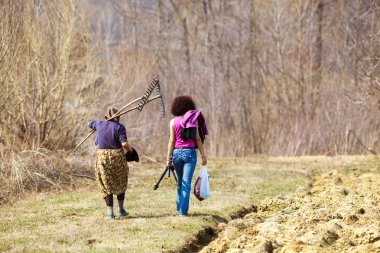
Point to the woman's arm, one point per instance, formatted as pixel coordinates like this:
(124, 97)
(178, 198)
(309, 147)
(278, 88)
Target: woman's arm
(127, 146)
(92, 124)
(199, 143)
(170, 143)
(123, 138)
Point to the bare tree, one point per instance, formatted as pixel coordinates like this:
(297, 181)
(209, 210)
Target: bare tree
(274, 77)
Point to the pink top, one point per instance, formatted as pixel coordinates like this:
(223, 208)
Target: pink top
(179, 143)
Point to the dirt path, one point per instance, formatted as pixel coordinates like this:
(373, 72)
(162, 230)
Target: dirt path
(338, 213)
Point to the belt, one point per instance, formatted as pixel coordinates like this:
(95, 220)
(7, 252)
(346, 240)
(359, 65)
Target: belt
(185, 148)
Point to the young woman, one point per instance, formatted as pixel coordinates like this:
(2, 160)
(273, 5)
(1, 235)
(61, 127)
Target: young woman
(182, 152)
(111, 167)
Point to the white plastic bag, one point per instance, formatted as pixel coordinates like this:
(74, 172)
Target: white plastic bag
(202, 184)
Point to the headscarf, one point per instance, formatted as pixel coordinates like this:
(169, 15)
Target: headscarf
(111, 111)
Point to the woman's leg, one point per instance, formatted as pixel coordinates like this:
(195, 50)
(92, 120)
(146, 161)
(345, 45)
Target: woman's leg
(190, 161)
(109, 203)
(178, 165)
(120, 200)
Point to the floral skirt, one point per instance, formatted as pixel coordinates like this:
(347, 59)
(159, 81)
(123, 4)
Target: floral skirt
(111, 169)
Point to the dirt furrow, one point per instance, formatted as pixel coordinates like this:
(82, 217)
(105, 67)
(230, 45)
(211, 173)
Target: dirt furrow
(338, 213)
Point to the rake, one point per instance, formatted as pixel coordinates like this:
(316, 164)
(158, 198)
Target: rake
(141, 102)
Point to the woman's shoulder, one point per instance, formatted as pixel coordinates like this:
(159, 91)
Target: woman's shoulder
(175, 120)
(119, 125)
(92, 123)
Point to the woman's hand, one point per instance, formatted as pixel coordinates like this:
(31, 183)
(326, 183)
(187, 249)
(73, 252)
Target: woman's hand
(204, 161)
(127, 147)
(199, 143)
(170, 143)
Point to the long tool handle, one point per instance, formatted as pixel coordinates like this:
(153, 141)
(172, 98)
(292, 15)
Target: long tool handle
(162, 176)
(119, 113)
(125, 106)
(85, 138)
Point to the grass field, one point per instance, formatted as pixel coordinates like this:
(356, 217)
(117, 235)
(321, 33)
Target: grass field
(74, 221)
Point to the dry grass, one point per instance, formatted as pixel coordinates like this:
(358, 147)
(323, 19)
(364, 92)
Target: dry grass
(74, 221)
(35, 171)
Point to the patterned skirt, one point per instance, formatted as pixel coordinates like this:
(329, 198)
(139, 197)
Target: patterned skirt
(111, 169)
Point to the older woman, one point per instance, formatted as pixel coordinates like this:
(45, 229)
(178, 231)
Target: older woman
(181, 147)
(111, 166)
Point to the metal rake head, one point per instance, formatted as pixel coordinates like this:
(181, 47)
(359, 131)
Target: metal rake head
(155, 84)
(147, 93)
(161, 99)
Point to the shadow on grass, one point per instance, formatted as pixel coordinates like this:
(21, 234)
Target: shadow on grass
(166, 215)
(218, 218)
(150, 216)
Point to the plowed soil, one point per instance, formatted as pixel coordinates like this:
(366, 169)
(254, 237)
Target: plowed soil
(337, 213)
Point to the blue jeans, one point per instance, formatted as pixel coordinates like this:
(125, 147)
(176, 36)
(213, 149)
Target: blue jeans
(184, 162)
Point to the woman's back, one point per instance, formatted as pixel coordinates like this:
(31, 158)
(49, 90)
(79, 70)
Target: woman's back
(111, 134)
(179, 142)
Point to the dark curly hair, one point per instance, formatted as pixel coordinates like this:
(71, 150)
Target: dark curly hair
(181, 105)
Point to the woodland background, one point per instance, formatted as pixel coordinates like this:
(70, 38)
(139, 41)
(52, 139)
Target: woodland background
(276, 77)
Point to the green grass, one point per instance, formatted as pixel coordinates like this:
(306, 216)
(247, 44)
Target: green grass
(74, 221)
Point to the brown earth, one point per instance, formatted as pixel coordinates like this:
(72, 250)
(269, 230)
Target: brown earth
(338, 213)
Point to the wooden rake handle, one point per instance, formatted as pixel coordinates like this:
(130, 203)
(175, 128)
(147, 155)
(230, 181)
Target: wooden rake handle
(118, 114)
